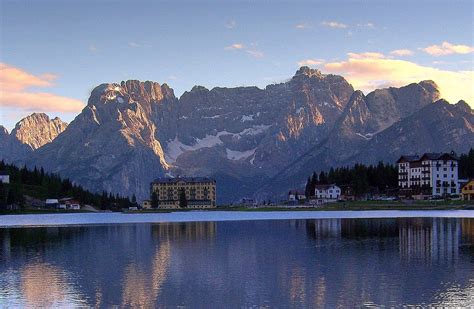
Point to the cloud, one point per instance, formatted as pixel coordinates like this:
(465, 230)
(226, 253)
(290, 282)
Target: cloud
(15, 92)
(92, 48)
(134, 44)
(252, 51)
(235, 46)
(447, 48)
(231, 24)
(16, 79)
(366, 25)
(333, 24)
(303, 26)
(310, 62)
(401, 52)
(368, 73)
(366, 55)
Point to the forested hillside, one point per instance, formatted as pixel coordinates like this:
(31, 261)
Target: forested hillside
(40, 185)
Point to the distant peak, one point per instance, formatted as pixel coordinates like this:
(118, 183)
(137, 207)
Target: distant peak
(441, 102)
(199, 88)
(429, 85)
(307, 71)
(463, 106)
(3, 130)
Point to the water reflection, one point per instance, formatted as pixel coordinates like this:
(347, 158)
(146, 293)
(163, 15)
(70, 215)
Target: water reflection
(141, 288)
(310, 263)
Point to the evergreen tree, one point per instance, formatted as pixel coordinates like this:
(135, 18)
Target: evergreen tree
(307, 190)
(323, 179)
(183, 203)
(155, 200)
(3, 195)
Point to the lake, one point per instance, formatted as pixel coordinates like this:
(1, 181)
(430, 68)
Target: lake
(266, 263)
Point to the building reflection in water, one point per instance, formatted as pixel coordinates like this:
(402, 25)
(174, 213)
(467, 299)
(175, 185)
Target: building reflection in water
(185, 231)
(142, 288)
(429, 240)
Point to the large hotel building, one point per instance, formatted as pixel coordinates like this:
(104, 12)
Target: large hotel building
(432, 174)
(200, 192)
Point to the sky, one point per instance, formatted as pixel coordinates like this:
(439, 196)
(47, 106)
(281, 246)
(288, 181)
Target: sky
(53, 53)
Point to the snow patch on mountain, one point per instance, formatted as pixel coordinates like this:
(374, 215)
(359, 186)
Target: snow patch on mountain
(239, 155)
(175, 147)
(247, 118)
(366, 136)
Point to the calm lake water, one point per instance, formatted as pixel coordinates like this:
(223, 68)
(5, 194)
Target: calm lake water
(284, 263)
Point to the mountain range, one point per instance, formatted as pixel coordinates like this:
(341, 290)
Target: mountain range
(255, 142)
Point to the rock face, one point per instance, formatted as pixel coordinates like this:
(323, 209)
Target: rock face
(253, 141)
(29, 134)
(112, 144)
(37, 130)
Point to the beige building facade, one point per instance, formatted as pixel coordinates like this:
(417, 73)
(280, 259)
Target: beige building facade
(200, 192)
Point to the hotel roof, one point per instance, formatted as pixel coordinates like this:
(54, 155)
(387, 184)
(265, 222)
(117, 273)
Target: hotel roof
(429, 156)
(185, 179)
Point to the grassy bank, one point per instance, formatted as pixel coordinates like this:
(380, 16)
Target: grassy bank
(34, 211)
(352, 205)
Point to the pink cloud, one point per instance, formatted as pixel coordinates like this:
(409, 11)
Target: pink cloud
(401, 52)
(15, 92)
(447, 48)
(370, 72)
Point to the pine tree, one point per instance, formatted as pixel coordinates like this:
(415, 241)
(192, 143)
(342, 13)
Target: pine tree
(183, 203)
(155, 200)
(307, 190)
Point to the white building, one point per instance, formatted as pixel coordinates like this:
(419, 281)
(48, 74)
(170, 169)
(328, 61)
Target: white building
(52, 203)
(327, 193)
(432, 174)
(296, 195)
(4, 177)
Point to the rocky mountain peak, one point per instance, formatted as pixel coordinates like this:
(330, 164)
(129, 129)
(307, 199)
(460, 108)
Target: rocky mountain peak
(38, 129)
(307, 71)
(3, 131)
(464, 106)
(429, 85)
(130, 91)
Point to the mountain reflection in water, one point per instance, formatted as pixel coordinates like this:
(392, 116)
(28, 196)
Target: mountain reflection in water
(310, 263)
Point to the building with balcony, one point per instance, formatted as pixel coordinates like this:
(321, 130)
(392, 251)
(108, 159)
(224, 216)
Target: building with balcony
(184, 192)
(432, 174)
(327, 193)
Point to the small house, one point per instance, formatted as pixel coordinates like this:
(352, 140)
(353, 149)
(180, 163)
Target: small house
(52, 203)
(347, 193)
(69, 203)
(4, 177)
(467, 191)
(327, 193)
(296, 195)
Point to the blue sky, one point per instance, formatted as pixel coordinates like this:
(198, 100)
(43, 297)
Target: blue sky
(75, 45)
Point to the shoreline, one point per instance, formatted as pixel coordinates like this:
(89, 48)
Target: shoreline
(68, 219)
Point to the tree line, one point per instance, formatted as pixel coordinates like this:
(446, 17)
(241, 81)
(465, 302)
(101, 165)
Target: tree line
(39, 184)
(360, 177)
(466, 165)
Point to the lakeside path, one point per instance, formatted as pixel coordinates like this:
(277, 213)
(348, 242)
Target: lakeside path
(196, 216)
